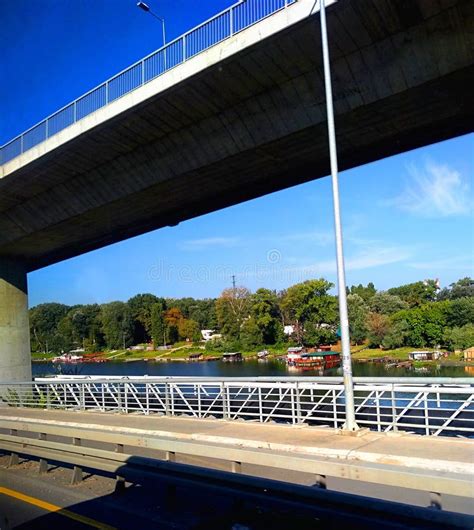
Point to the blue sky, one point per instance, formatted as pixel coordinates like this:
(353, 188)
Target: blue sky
(405, 218)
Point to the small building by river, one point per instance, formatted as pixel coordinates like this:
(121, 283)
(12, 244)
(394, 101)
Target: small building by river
(232, 357)
(425, 355)
(469, 354)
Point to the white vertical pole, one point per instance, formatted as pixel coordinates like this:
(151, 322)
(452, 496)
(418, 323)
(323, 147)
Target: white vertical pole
(350, 424)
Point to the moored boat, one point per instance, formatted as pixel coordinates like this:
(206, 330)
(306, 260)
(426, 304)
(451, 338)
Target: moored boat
(67, 358)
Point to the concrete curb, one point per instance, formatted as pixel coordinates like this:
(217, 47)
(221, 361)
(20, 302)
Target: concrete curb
(325, 452)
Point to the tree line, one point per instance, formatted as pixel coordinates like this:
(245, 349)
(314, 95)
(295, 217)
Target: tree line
(417, 314)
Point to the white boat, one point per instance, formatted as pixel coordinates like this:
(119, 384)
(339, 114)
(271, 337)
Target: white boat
(262, 354)
(68, 358)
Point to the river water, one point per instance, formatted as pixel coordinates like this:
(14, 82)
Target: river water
(251, 368)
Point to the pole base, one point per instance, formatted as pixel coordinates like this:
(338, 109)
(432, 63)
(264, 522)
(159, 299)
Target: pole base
(358, 431)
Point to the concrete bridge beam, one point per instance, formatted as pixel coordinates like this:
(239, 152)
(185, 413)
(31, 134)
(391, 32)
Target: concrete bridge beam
(15, 353)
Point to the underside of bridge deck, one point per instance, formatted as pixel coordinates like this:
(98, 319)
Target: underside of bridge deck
(249, 125)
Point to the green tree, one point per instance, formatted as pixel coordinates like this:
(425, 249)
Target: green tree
(232, 308)
(387, 304)
(189, 330)
(459, 312)
(309, 303)
(140, 308)
(266, 315)
(463, 288)
(117, 325)
(418, 293)
(202, 311)
(378, 326)
(158, 326)
(366, 293)
(172, 317)
(426, 324)
(251, 334)
(317, 333)
(44, 320)
(396, 335)
(86, 326)
(460, 338)
(357, 312)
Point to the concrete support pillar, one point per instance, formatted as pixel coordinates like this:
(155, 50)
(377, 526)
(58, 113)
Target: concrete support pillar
(15, 353)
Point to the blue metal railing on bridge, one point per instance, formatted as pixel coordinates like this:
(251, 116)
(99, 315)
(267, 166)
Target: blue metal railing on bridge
(215, 30)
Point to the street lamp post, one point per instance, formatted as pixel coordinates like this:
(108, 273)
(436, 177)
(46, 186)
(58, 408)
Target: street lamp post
(146, 8)
(350, 424)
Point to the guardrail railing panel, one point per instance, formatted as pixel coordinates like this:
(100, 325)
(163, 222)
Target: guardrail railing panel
(91, 102)
(423, 408)
(213, 31)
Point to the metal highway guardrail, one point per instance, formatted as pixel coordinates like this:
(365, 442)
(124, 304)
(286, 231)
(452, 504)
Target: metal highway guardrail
(431, 406)
(222, 26)
(118, 458)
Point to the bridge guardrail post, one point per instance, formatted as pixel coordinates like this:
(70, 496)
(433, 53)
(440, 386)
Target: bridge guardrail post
(293, 408)
(435, 500)
(83, 397)
(119, 397)
(48, 397)
(167, 399)
(125, 397)
(147, 398)
(394, 408)
(77, 470)
(299, 418)
(426, 413)
(14, 459)
(43, 463)
(224, 401)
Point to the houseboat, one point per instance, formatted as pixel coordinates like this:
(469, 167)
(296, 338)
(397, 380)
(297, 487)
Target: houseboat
(319, 360)
(294, 353)
(232, 357)
(314, 358)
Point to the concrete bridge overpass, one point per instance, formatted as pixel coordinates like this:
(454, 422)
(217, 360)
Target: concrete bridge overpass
(233, 110)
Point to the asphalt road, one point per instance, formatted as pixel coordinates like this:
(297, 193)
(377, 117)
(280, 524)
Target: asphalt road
(29, 500)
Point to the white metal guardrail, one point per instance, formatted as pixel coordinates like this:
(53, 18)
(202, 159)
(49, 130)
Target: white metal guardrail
(213, 31)
(431, 406)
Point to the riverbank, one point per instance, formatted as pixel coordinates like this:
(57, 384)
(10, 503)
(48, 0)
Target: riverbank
(193, 354)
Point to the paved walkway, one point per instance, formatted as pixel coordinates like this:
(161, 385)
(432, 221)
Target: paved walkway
(440, 454)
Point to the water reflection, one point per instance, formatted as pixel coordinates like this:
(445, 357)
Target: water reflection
(252, 368)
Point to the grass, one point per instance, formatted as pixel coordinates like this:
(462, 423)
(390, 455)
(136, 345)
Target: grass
(362, 353)
(40, 356)
(182, 352)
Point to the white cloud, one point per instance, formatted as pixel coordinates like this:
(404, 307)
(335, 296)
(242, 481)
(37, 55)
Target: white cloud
(209, 242)
(434, 190)
(370, 257)
(455, 263)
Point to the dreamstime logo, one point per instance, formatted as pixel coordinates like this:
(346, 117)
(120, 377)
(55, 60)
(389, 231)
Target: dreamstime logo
(167, 272)
(273, 256)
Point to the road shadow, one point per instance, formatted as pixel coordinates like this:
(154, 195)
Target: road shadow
(155, 494)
